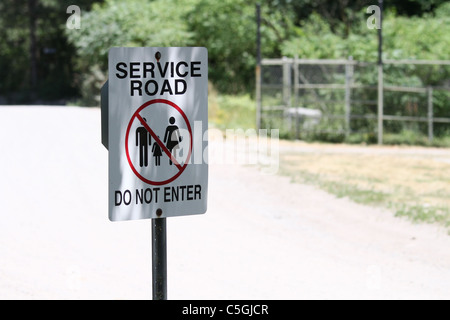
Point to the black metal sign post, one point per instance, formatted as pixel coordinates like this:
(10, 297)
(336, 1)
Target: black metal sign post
(159, 259)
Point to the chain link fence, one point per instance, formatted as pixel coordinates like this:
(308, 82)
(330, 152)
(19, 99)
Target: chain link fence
(336, 100)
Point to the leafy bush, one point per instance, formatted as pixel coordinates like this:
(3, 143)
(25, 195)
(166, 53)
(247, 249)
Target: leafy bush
(231, 111)
(424, 37)
(226, 28)
(132, 23)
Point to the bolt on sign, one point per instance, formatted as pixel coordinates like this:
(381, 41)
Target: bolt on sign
(157, 132)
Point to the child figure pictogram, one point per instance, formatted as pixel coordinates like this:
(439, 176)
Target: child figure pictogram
(157, 153)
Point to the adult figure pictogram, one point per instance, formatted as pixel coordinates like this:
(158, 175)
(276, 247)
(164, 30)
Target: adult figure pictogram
(172, 138)
(143, 141)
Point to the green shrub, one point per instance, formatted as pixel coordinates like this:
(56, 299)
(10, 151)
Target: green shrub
(231, 112)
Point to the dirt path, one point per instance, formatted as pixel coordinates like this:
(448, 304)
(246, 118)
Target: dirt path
(316, 246)
(262, 237)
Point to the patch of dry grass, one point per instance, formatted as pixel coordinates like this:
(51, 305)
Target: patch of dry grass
(414, 185)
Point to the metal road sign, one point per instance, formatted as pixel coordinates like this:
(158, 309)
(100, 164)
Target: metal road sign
(157, 120)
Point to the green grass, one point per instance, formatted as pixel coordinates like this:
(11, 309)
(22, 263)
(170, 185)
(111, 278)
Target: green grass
(341, 190)
(231, 112)
(425, 213)
(404, 138)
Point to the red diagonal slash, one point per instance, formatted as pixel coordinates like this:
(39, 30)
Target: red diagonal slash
(159, 142)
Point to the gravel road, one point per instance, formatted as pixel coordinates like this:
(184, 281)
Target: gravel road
(263, 237)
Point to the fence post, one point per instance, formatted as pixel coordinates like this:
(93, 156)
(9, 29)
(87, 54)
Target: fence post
(380, 76)
(380, 104)
(430, 113)
(296, 78)
(348, 83)
(296, 104)
(287, 85)
(258, 68)
(258, 97)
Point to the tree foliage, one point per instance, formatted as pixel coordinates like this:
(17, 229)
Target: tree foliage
(425, 37)
(313, 29)
(117, 23)
(54, 56)
(226, 28)
(72, 61)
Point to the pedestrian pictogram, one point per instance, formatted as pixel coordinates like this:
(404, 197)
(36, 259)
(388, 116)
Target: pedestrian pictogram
(157, 109)
(150, 122)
